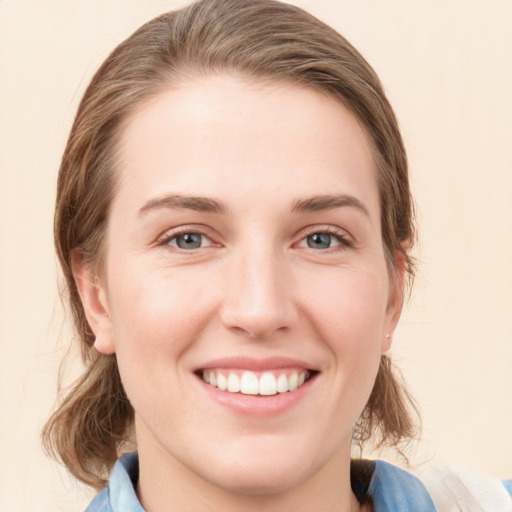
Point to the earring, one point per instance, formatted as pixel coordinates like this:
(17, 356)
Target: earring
(388, 336)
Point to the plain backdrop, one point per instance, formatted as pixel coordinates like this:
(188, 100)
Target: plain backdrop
(447, 68)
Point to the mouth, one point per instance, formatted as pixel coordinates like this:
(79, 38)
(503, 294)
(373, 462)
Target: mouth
(257, 387)
(262, 383)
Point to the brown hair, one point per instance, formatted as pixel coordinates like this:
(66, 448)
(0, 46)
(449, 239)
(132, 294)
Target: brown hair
(259, 39)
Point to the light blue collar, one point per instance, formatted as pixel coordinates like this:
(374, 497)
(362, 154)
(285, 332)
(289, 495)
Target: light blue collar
(119, 494)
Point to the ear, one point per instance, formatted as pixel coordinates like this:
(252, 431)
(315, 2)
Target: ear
(395, 301)
(94, 301)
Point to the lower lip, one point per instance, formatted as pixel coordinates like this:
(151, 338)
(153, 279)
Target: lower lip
(258, 405)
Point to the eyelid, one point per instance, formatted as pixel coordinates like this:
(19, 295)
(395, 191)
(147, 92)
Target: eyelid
(169, 234)
(342, 235)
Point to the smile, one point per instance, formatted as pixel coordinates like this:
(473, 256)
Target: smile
(248, 382)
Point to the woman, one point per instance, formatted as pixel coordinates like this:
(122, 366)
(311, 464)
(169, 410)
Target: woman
(234, 224)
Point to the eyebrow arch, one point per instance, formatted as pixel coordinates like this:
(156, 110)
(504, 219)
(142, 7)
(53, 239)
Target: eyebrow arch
(328, 202)
(200, 204)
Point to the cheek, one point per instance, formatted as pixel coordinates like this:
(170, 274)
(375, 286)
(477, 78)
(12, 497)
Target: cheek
(350, 308)
(349, 316)
(155, 320)
(157, 310)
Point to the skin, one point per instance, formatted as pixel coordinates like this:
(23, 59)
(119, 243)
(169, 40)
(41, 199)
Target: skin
(253, 288)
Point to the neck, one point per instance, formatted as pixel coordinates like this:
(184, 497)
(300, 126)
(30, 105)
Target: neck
(165, 485)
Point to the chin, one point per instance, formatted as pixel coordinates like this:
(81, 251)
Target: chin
(259, 480)
(265, 471)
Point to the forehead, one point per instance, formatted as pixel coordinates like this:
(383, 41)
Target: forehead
(253, 136)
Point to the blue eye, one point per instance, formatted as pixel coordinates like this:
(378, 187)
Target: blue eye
(185, 239)
(325, 239)
(319, 241)
(188, 241)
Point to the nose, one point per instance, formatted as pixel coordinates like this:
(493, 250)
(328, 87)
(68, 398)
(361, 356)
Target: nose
(259, 295)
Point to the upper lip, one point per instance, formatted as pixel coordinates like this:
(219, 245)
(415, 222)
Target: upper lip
(256, 364)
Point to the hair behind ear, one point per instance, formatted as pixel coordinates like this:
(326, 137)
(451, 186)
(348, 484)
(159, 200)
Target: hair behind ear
(391, 417)
(92, 422)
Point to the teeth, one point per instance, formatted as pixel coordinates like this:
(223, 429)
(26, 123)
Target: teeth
(249, 384)
(233, 383)
(293, 381)
(282, 383)
(222, 383)
(268, 385)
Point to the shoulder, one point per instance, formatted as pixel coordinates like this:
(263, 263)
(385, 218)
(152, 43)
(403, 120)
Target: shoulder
(467, 488)
(393, 489)
(389, 488)
(101, 503)
(439, 488)
(119, 494)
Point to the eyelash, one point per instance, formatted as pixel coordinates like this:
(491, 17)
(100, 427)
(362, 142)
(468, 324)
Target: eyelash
(345, 242)
(166, 239)
(341, 237)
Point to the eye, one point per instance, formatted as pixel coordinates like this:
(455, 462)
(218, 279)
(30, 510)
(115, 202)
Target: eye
(187, 241)
(319, 241)
(323, 239)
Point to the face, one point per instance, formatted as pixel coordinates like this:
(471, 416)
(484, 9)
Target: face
(245, 290)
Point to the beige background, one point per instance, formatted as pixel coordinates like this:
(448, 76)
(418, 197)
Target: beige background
(447, 67)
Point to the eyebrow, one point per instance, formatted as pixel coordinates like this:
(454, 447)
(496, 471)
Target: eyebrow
(200, 204)
(328, 202)
(209, 205)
